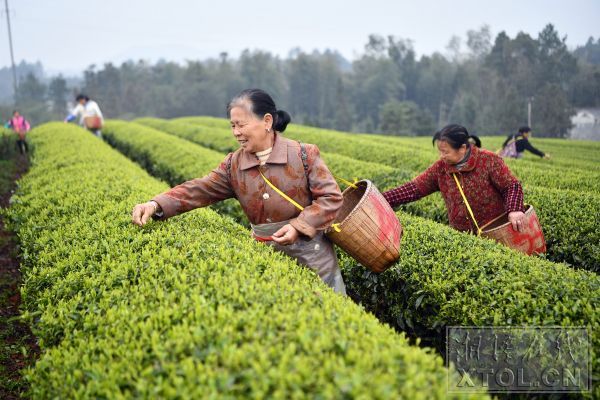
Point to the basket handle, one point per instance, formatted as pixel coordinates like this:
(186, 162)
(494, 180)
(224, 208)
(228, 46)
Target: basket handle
(492, 221)
(498, 217)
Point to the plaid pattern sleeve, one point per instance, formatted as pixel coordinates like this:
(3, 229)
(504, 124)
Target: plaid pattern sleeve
(513, 197)
(507, 184)
(402, 194)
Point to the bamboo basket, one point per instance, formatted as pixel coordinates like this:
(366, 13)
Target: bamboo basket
(530, 241)
(370, 231)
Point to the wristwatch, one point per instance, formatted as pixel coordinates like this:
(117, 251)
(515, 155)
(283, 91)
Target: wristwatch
(156, 208)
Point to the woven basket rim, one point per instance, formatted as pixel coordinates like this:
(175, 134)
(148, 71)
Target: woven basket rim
(360, 202)
(528, 213)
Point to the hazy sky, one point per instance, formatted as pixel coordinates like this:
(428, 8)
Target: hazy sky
(69, 35)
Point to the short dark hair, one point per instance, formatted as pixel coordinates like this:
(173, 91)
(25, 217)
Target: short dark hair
(455, 136)
(82, 96)
(524, 129)
(261, 103)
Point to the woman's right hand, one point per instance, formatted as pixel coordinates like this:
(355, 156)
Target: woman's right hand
(517, 219)
(143, 212)
(286, 235)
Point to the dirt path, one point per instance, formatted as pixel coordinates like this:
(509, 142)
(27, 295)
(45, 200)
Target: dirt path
(18, 347)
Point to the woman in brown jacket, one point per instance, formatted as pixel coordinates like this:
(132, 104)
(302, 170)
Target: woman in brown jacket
(265, 162)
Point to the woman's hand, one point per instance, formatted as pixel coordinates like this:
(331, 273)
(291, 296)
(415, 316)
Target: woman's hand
(286, 235)
(517, 219)
(142, 212)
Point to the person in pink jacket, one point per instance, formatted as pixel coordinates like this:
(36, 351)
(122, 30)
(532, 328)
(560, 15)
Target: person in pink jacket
(21, 126)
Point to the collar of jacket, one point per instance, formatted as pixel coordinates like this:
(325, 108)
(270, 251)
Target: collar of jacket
(278, 155)
(469, 166)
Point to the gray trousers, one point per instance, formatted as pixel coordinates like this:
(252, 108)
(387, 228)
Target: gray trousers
(96, 132)
(317, 254)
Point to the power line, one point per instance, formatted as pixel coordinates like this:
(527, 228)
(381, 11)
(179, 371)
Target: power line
(12, 55)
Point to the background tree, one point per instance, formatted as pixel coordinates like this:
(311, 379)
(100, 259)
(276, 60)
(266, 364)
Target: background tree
(31, 99)
(482, 82)
(590, 52)
(553, 111)
(405, 118)
(57, 95)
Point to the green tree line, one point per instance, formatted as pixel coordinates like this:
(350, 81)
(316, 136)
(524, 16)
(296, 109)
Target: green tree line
(481, 82)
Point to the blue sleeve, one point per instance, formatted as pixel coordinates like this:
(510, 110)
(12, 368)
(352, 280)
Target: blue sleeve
(70, 118)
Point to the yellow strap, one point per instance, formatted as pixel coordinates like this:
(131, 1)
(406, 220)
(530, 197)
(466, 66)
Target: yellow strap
(336, 227)
(347, 183)
(467, 204)
(509, 143)
(285, 196)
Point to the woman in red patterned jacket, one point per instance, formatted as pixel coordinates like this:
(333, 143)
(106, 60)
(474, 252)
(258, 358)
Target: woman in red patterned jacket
(487, 183)
(265, 168)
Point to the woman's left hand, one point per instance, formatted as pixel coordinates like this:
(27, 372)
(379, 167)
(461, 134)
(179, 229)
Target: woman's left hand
(286, 235)
(517, 219)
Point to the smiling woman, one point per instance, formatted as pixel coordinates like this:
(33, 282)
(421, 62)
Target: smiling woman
(256, 134)
(283, 186)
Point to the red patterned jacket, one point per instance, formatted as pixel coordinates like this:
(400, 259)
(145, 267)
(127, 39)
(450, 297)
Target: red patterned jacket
(488, 184)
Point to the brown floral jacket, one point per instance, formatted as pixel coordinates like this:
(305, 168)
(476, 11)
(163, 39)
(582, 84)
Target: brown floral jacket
(238, 176)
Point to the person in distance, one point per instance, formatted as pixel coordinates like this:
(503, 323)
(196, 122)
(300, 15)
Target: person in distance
(89, 115)
(20, 126)
(515, 145)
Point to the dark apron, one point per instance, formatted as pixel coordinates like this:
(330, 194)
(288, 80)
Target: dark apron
(317, 253)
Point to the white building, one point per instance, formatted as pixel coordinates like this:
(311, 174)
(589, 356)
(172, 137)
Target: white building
(586, 124)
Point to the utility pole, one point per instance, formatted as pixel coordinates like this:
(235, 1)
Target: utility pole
(12, 55)
(529, 112)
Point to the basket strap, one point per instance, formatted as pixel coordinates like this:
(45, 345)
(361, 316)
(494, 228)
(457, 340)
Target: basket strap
(285, 196)
(515, 140)
(229, 167)
(467, 204)
(304, 158)
(336, 227)
(347, 183)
